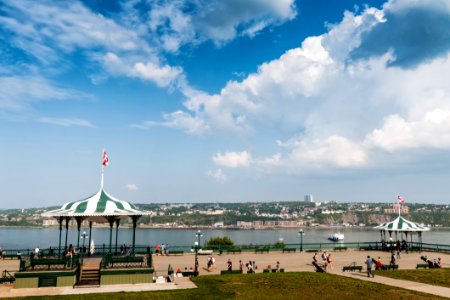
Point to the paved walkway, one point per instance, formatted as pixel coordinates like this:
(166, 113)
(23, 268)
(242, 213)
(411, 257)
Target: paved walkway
(7, 291)
(409, 285)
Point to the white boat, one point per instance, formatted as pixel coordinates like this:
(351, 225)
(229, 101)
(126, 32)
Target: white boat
(336, 237)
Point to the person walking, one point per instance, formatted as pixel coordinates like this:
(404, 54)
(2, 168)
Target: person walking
(369, 263)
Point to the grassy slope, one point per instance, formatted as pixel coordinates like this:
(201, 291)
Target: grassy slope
(271, 286)
(430, 276)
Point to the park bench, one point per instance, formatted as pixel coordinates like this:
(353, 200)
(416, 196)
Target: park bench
(340, 248)
(10, 256)
(390, 267)
(289, 250)
(262, 250)
(352, 268)
(189, 273)
(366, 248)
(127, 261)
(312, 250)
(234, 251)
(273, 270)
(176, 252)
(422, 266)
(56, 263)
(225, 272)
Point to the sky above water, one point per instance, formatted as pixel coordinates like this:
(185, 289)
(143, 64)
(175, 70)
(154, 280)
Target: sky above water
(224, 101)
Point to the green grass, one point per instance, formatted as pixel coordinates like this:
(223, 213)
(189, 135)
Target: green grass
(429, 276)
(271, 286)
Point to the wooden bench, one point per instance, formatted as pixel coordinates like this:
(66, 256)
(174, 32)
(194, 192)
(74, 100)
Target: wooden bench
(127, 260)
(176, 252)
(312, 250)
(340, 248)
(422, 266)
(234, 251)
(261, 250)
(226, 272)
(289, 250)
(58, 263)
(352, 268)
(189, 274)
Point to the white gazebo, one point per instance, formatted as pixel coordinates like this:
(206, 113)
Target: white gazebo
(401, 226)
(99, 208)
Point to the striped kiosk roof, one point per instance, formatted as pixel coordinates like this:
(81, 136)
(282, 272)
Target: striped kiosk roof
(101, 204)
(401, 224)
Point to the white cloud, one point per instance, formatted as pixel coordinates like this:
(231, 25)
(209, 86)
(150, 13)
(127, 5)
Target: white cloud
(19, 93)
(233, 159)
(67, 122)
(49, 31)
(132, 186)
(345, 111)
(163, 75)
(218, 175)
(183, 22)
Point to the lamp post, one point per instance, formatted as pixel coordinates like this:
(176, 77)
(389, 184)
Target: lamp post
(196, 248)
(84, 236)
(301, 233)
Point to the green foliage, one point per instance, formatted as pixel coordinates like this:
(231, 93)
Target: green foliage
(279, 245)
(219, 241)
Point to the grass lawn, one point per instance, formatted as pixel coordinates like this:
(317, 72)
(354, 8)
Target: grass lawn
(430, 276)
(271, 286)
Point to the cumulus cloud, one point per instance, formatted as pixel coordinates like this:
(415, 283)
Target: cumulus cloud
(218, 175)
(233, 159)
(346, 111)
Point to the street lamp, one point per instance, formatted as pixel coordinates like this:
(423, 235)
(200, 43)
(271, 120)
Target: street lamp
(196, 248)
(301, 233)
(84, 236)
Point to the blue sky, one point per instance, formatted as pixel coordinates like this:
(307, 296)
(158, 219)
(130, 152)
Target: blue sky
(229, 101)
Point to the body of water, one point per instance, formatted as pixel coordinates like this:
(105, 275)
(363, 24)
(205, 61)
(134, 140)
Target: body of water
(26, 238)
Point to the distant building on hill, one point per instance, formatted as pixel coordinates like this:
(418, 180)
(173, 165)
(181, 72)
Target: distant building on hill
(309, 198)
(394, 209)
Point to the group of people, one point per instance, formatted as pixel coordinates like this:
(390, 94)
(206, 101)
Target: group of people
(162, 249)
(326, 260)
(432, 263)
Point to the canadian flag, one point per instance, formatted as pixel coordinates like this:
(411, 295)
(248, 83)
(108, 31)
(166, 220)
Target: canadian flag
(105, 159)
(400, 200)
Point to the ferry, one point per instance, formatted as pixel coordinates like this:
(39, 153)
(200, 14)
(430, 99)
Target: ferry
(336, 237)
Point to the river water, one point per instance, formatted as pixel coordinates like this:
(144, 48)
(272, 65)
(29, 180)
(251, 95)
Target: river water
(26, 238)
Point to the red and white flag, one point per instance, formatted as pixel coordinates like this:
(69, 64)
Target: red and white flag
(400, 200)
(105, 159)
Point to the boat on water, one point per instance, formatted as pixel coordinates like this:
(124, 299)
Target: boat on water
(336, 237)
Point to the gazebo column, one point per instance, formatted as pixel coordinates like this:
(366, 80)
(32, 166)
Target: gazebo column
(117, 231)
(67, 231)
(60, 221)
(111, 224)
(134, 218)
(90, 237)
(79, 220)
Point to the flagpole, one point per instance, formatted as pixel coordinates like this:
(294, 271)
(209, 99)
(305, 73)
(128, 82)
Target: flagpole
(101, 184)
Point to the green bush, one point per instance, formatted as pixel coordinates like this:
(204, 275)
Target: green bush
(219, 242)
